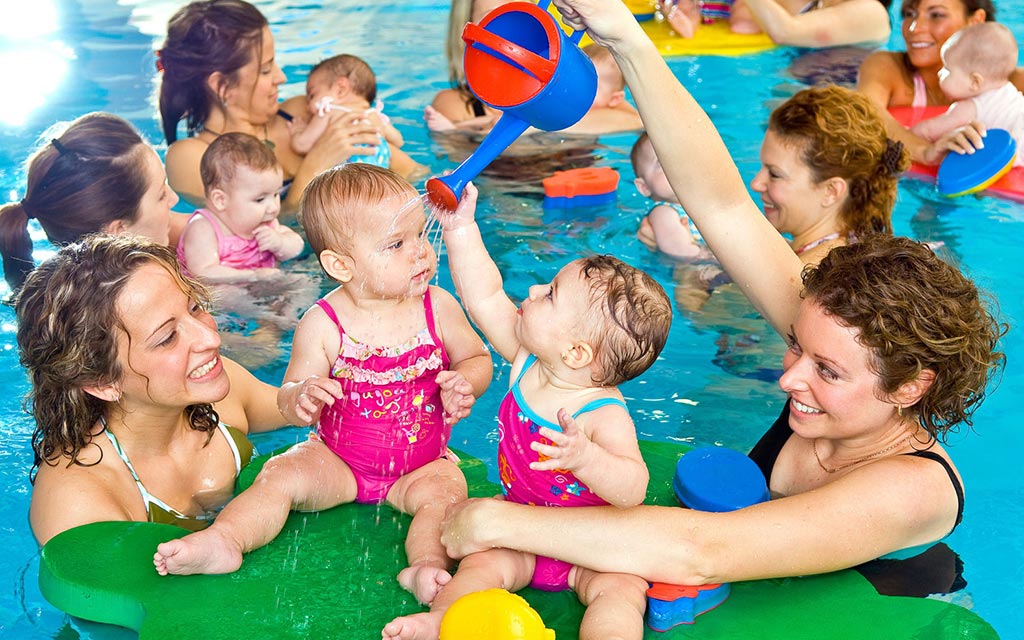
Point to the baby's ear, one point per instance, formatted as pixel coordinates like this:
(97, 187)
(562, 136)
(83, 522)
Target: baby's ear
(616, 99)
(579, 356)
(337, 265)
(343, 86)
(977, 81)
(217, 199)
(641, 186)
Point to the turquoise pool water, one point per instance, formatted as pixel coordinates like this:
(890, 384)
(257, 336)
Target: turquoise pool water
(715, 380)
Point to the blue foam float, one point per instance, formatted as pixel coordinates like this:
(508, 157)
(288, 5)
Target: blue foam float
(718, 479)
(961, 174)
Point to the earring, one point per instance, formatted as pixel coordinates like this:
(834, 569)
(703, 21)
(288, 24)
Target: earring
(899, 409)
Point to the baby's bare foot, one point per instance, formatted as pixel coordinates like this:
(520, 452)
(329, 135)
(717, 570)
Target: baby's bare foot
(202, 552)
(436, 121)
(423, 581)
(419, 626)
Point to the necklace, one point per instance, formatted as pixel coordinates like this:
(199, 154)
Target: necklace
(814, 446)
(266, 138)
(820, 241)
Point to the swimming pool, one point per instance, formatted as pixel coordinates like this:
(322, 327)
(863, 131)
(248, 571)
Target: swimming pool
(713, 384)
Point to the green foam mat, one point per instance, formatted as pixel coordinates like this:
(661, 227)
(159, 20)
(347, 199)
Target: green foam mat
(332, 574)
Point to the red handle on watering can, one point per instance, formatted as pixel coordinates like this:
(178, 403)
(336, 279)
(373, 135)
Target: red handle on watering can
(540, 67)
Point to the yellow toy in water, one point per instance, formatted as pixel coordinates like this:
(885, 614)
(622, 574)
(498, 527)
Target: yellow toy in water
(494, 614)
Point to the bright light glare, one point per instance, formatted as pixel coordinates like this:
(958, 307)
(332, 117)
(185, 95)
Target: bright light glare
(33, 62)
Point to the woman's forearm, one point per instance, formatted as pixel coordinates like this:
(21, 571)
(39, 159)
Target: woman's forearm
(850, 22)
(606, 539)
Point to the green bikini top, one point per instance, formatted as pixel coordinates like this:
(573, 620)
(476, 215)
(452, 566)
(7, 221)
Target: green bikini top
(159, 511)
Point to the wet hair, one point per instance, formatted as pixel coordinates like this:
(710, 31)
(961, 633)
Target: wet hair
(841, 135)
(79, 181)
(988, 48)
(228, 152)
(636, 315)
(204, 37)
(336, 200)
(913, 312)
(359, 74)
(970, 6)
(68, 329)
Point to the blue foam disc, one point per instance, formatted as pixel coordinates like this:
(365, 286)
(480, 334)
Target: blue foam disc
(718, 479)
(965, 173)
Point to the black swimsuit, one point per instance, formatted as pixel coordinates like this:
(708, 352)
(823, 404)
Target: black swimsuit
(937, 569)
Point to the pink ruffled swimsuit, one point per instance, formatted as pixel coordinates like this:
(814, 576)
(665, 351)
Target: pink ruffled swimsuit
(518, 426)
(234, 251)
(388, 420)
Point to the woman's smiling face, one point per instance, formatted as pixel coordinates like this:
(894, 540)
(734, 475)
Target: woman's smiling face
(927, 24)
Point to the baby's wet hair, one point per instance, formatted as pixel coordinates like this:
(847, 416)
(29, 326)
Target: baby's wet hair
(358, 72)
(636, 316)
(336, 200)
(988, 48)
(221, 160)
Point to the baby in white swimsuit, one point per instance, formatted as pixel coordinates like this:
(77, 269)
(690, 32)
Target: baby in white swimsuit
(977, 63)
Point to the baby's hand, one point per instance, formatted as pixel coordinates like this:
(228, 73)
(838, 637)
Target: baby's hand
(456, 396)
(301, 402)
(570, 450)
(269, 237)
(464, 214)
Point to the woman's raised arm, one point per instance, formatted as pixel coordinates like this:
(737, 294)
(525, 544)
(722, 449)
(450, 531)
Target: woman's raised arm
(697, 164)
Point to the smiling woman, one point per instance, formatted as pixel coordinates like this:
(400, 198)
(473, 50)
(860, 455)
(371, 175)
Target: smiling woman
(129, 388)
(828, 175)
(911, 77)
(219, 73)
(874, 382)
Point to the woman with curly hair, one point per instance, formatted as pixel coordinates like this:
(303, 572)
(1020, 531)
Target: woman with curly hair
(890, 350)
(131, 397)
(828, 176)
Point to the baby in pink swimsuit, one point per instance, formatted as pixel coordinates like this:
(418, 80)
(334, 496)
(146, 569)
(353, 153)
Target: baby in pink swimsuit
(565, 436)
(237, 236)
(384, 364)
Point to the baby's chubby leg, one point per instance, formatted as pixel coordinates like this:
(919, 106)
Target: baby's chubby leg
(309, 477)
(495, 568)
(615, 604)
(426, 493)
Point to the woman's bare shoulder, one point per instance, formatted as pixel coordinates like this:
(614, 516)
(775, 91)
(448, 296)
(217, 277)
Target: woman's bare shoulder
(453, 104)
(68, 495)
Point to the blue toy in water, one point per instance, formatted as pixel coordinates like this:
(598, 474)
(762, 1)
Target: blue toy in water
(706, 479)
(718, 479)
(960, 174)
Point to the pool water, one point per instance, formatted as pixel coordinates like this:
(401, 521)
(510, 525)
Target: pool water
(715, 381)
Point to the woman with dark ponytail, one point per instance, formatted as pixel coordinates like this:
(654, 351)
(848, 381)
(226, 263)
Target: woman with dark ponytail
(99, 175)
(219, 75)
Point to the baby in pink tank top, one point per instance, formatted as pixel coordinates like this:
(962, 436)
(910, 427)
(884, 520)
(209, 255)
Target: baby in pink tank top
(565, 435)
(237, 237)
(384, 365)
